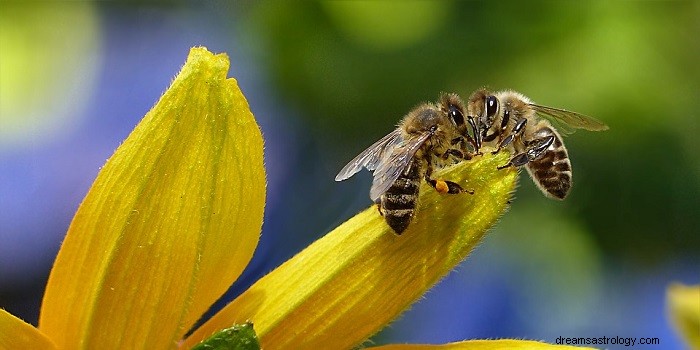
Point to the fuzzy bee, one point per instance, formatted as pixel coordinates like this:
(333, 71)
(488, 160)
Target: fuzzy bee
(509, 119)
(428, 137)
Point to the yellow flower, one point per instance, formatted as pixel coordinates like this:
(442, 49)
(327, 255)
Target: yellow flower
(683, 303)
(174, 216)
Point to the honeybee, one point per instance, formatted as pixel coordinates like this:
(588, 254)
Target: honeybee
(429, 136)
(509, 119)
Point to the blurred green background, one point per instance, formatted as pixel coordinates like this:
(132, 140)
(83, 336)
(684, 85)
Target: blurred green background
(326, 79)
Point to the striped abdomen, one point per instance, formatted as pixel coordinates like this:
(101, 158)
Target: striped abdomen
(398, 203)
(552, 170)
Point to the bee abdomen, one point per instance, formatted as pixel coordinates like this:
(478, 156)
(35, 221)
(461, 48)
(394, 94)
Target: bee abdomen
(398, 220)
(399, 203)
(552, 172)
(404, 185)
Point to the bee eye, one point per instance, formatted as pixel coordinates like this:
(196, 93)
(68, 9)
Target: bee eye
(491, 106)
(456, 116)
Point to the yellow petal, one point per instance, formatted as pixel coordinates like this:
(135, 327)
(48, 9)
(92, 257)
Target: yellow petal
(17, 334)
(170, 222)
(349, 284)
(505, 344)
(683, 304)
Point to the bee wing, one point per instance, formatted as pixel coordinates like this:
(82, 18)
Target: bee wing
(570, 120)
(394, 163)
(369, 157)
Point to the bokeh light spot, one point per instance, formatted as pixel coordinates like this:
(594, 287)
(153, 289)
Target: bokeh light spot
(386, 26)
(48, 66)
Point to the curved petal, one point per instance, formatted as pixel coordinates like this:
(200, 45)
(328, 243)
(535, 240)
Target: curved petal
(170, 222)
(504, 344)
(683, 303)
(17, 334)
(352, 282)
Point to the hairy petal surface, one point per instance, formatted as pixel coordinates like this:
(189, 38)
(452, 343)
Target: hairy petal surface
(352, 282)
(17, 334)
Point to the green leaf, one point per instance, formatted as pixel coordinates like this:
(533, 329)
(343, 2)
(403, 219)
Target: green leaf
(238, 337)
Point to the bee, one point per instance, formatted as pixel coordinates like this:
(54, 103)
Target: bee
(509, 119)
(429, 136)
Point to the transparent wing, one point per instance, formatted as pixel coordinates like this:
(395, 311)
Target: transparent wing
(369, 157)
(570, 120)
(394, 163)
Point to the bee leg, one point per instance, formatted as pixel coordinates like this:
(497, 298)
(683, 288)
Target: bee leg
(379, 206)
(466, 155)
(505, 142)
(535, 149)
(517, 160)
(517, 130)
(449, 187)
(472, 142)
(463, 152)
(444, 186)
(491, 137)
(502, 130)
(476, 140)
(454, 152)
(457, 141)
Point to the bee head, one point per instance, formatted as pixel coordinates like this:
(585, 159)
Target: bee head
(422, 118)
